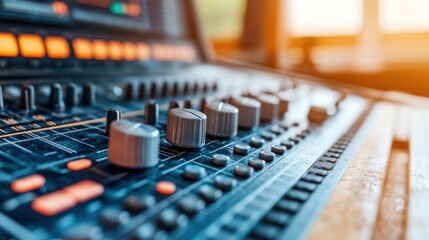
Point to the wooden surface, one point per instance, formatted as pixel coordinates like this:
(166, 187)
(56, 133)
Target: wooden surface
(384, 193)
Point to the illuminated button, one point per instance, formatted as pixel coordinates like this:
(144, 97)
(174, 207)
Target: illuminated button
(53, 203)
(143, 51)
(80, 164)
(8, 45)
(82, 48)
(133, 10)
(84, 190)
(57, 47)
(28, 183)
(129, 51)
(31, 45)
(60, 8)
(115, 50)
(165, 187)
(100, 49)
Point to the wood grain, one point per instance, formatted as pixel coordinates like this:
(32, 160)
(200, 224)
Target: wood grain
(352, 210)
(418, 209)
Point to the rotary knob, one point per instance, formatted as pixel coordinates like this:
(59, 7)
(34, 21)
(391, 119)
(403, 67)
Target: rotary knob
(249, 111)
(222, 119)
(133, 145)
(269, 107)
(186, 128)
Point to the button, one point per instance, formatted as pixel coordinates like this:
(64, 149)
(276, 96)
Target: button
(80, 164)
(100, 49)
(278, 149)
(28, 183)
(8, 45)
(267, 136)
(225, 183)
(288, 144)
(324, 165)
(278, 218)
(113, 217)
(243, 171)
(220, 159)
(256, 142)
(84, 190)
(318, 172)
(53, 203)
(312, 178)
(276, 130)
(191, 204)
(60, 8)
(305, 186)
(267, 156)
(241, 149)
(265, 231)
(138, 203)
(85, 231)
(284, 125)
(57, 47)
(328, 159)
(148, 231)
(143, 51)
(256, 163)
(193, 172)
(31, 45)
(165, 187)
(294, 140)
(332, 155)
(209, 193)
(82, 48)
(297, 195)
(171, 219)
(130, 51)
(115, 50)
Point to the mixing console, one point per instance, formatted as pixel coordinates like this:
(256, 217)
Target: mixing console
(129, 133)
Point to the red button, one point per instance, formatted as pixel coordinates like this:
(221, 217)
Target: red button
(53, 203)
(85, 190)
(28, 183)
(165, 187)
(79, 164)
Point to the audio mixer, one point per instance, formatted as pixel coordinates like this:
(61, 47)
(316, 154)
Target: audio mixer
(115, 124)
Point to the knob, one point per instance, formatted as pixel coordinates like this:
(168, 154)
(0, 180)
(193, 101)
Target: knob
(186, 128)
(285, 98)
(222, 119)
(319, 114)
(56, 101)
(28, 101)
(129, 92)
(133, 145)
(88, 95)
(249, 111)
(151, 113)
(111, 116)
(269, 107)
(1, 99)
(187, 104)
(173, 104)
(71, 95)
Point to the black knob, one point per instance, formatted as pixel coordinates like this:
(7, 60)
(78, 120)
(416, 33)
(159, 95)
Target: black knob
(88, 97)
(1, 99)
(203, 102)
(187, 104)
(129, 92)
(28, 101)
(111, 116)
(72, 98)
(173, 104)
(151, 113)
(56, 101)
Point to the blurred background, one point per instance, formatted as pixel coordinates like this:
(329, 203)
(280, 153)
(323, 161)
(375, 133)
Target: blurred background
(382, 44)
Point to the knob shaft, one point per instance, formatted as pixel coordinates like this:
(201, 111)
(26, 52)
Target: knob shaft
(28, 101)
(133, 145)
(222, 119)
(186, 128)
(151, 115)
(269, 107)
(249, 111)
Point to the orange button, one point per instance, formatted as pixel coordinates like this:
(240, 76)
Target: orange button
(143, 51)
(31, 45)
(8, 45)
(165, 187)
(28, 183)
(80, 164)
(60, 8)
(100, 49)
(115, 50)
(53, 203)
(57, 47)
(85, 190)
(82, 48)
(130, 51)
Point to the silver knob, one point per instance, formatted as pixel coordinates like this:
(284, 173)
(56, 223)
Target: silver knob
(269, 107)
(186, 128)
(222, 119)
(249, 111)
(133, 145)
(319, 114)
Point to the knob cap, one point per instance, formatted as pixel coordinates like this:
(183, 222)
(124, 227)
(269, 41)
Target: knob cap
(28, 101)
(133, 145)
(186, 128)
(249, 111)
(222, 119)
(56, 101)
(269, 107)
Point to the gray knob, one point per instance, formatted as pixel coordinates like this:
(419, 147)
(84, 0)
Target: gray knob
(319, 114)
(269, 107)
(285, 98)
(249, 111)
(186, 128)
(222, 119)
(133, 145)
